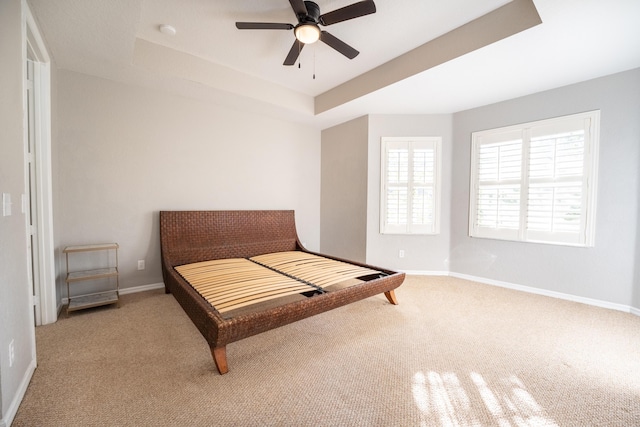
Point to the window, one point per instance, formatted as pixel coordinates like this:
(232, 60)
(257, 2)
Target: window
(410, 188)
(536, 182)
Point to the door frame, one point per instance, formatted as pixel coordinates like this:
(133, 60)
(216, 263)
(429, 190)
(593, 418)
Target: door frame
(46, 271)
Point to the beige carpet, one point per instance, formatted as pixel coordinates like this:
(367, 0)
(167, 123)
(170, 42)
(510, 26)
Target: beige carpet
(453, 353)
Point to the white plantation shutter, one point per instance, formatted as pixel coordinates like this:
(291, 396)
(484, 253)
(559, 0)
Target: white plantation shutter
(397, 186)
(536, 182)
(555, 202)
(410, 185)
(423, 188)
(499, 164)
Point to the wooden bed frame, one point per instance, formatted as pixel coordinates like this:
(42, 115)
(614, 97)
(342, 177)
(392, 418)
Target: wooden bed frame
(188, 237)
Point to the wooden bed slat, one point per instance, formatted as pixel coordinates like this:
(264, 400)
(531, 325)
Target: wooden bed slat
(253, 298)
(254, 289)
(231, 287)
(255, 301)
(229, 279)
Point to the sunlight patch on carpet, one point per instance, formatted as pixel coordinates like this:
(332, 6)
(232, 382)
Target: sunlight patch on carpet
(452, 401)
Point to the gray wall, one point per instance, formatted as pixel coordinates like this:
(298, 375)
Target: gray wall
(427, 253)
(343, 199)
(127, 152)
(604, 272)
(16, 313)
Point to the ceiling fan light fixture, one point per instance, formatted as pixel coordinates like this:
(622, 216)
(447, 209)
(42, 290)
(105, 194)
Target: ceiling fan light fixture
(307, 33)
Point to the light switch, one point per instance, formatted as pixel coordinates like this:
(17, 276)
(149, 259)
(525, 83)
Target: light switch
(6, 204)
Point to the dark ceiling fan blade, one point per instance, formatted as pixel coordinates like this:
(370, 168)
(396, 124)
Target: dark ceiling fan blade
(262, 26)
(299, 8)
(354, 10)
(293, 53)
(338, 45)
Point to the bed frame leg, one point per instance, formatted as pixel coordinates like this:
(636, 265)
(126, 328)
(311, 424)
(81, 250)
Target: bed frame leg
(391, 296)
(220, 357)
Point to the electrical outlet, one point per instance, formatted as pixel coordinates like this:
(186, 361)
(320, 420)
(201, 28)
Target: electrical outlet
(12, 353)
(401, 253)
(140, 264)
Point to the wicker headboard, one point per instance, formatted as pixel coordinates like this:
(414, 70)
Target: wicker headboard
(193, 236)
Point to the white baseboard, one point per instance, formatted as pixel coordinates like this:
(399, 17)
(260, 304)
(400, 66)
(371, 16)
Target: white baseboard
(553, 294)
(425, 272)
(143, 288)
(12, 410)
(125, 291)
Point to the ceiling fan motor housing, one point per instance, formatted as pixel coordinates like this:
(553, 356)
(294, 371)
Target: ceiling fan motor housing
(313, 13)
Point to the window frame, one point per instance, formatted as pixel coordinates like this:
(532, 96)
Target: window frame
(526, 132)
(412, 143)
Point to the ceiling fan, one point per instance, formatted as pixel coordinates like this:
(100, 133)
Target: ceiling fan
(308, 31)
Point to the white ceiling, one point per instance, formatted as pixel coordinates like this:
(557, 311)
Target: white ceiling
(209, 58)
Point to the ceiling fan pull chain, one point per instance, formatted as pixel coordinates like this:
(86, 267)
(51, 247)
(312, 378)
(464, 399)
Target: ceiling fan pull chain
(314, 62)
